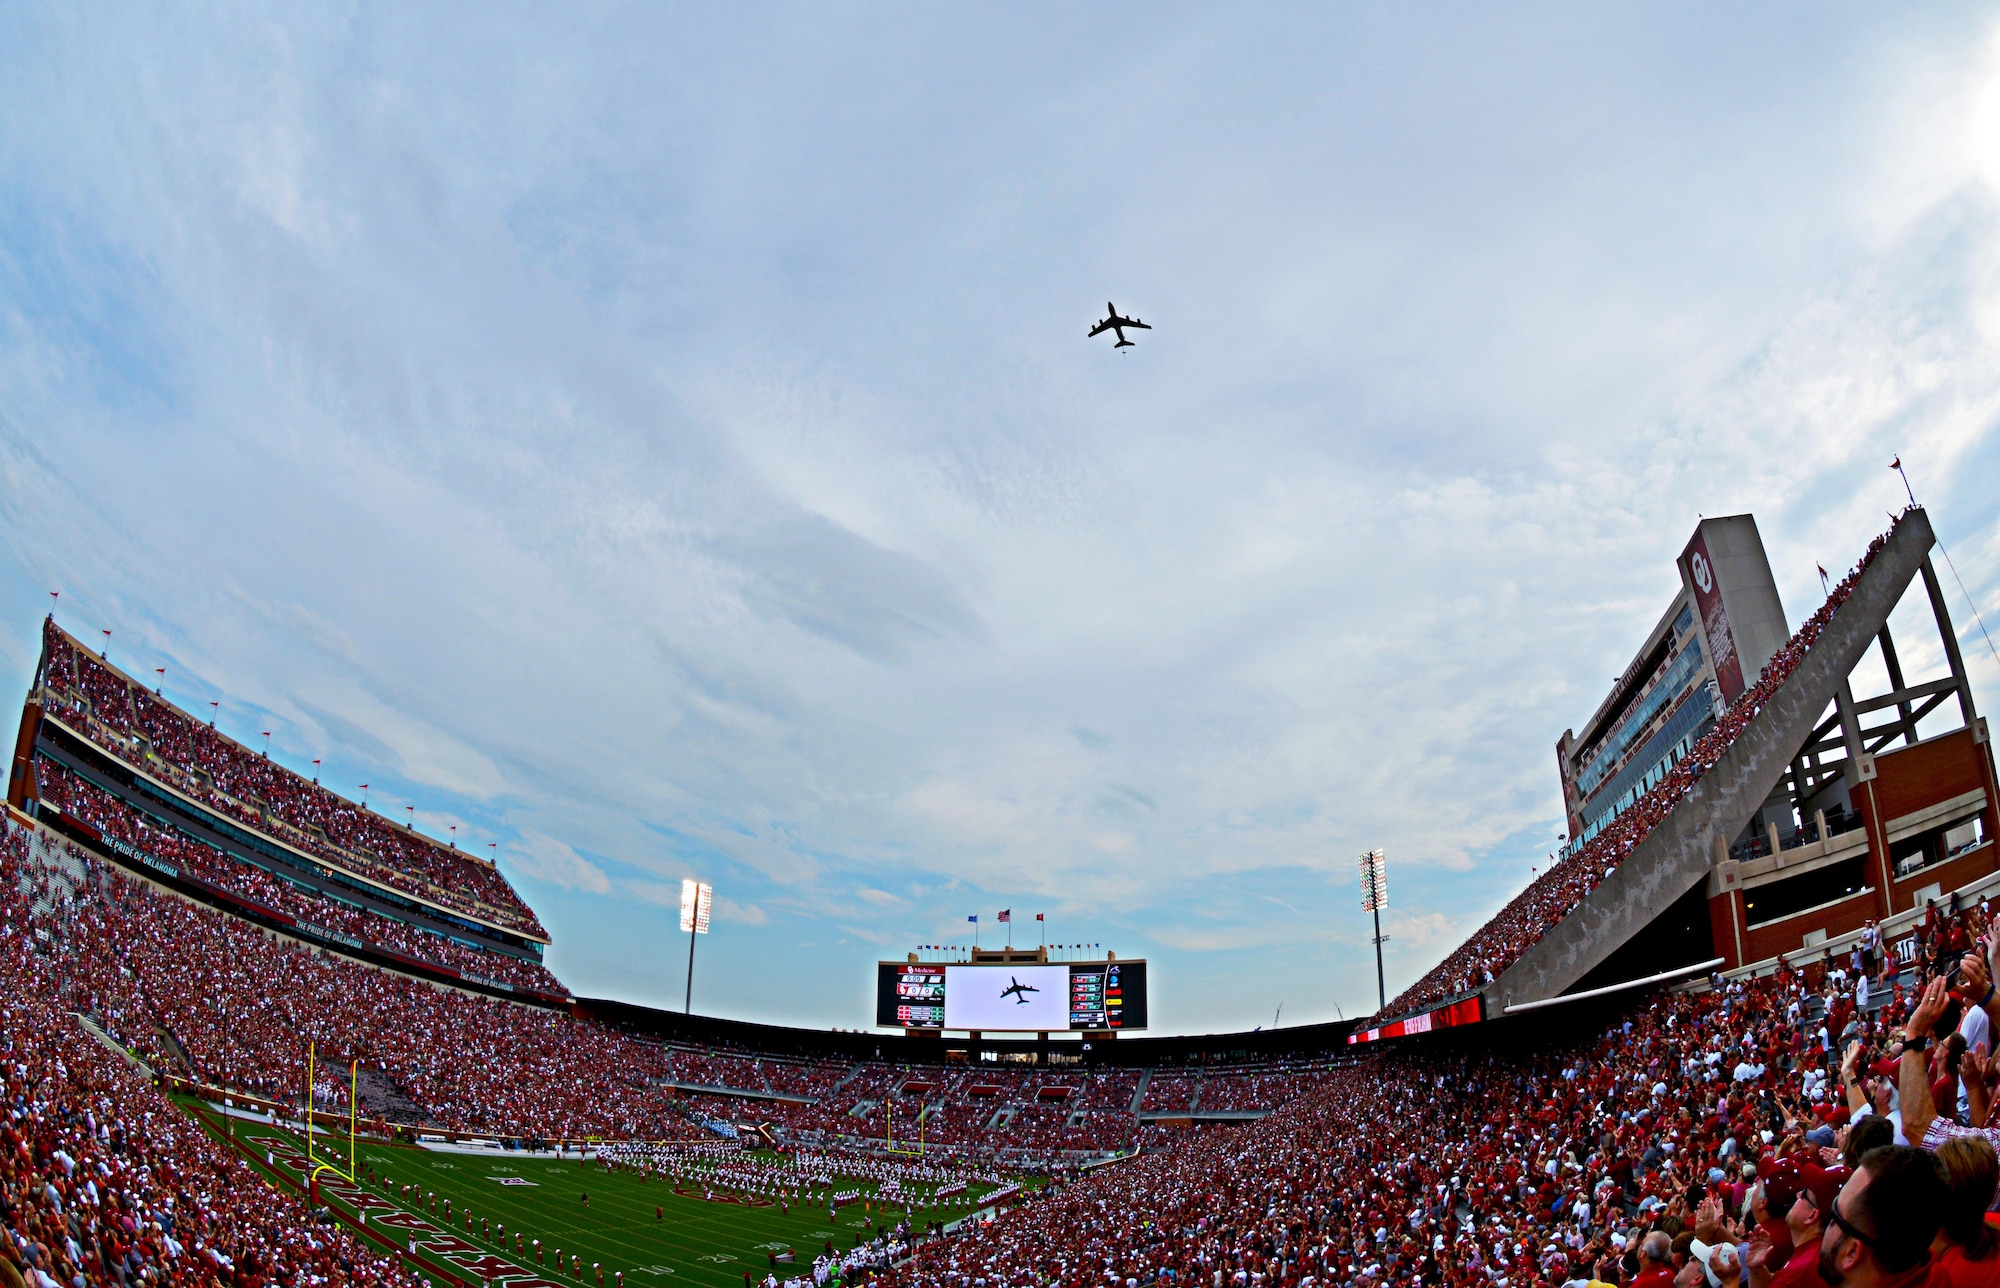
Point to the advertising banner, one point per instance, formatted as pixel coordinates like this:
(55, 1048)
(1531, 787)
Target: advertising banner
(1465, 1011)
(1699, 569)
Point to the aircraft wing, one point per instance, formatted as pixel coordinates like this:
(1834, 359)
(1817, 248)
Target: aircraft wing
(1137, 324)
(1099, 329)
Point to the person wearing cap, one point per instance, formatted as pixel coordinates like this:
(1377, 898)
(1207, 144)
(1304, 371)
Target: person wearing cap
(1766, 1212)
(1723, 1266)
(1803, 1191)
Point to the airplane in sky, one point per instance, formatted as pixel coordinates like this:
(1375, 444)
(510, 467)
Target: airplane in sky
(1118, 324)
(1019, 992)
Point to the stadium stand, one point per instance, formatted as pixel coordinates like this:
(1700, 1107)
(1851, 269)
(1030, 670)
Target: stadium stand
(82, 692)
(229, 1004)
(340, 923)
(1545, 1158)
(175, 981)
(1554, 894)
(103, 1181)
(1696, 1117)
(1711, 1131)
(1170, 1094)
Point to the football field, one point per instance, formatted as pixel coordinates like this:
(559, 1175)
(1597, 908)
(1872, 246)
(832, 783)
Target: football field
(657, 1235)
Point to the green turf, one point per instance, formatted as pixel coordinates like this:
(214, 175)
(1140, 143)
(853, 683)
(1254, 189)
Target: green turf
(701, 1243)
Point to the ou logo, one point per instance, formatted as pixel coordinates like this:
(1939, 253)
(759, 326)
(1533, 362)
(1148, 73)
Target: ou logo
(1704, 577)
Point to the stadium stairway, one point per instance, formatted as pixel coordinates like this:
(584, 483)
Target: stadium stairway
(184, 1066)
(1681, 847)
(379, 1096)
(96, 1030)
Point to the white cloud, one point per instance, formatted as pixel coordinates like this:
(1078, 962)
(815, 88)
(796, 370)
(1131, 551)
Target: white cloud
(545, 859)
(717, 480)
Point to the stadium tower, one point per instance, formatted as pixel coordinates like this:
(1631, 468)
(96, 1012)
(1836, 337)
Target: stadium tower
(1731, 802)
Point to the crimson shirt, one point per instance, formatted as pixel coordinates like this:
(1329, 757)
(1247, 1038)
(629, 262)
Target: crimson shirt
(1802, 1271)
(1950, 1269)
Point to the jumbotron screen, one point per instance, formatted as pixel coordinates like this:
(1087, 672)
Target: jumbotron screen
(1011, 999)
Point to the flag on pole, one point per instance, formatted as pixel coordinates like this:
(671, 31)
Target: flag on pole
(1040, 917)
(1897, 464)
(973, 919)
(1007, 914)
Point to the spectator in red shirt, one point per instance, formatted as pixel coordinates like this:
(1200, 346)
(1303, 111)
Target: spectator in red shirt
(1810, 1189)
(1656, 1254)
(1966, 1252)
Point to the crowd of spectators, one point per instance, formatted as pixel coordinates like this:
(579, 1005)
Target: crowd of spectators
(1705, 1135)
(756, 1073)
(1945, 935)
(1169, 1093)
(1254, 1090)
(161, 739)
(195, 859)
(224, 1002)
(103, 1181)
(1716, 1130)
(1554, 894)
(186, 986)
(985, 1110)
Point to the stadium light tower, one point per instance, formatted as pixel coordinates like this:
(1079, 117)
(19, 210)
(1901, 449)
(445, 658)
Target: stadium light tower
(696, 897)
(1374, 898)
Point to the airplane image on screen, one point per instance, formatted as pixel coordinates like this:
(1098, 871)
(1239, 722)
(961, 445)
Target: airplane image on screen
(1019, 991)
(1118, 324)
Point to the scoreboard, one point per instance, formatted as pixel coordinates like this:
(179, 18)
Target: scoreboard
(1034, 998)
(912, 997)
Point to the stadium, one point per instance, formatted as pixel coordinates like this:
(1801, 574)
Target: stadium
(256, 1033)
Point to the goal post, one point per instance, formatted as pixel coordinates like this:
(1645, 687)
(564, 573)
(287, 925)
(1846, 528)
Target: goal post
(889, 1131)
(353, 1103)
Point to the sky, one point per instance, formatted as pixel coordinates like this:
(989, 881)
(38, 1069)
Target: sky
(662, 441)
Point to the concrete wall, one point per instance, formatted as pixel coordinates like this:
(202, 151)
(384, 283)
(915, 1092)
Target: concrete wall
(1682, 846)
(1749, 594)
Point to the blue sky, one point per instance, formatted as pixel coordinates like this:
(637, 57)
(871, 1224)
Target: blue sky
(663, 440)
